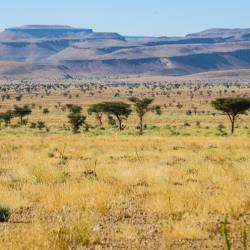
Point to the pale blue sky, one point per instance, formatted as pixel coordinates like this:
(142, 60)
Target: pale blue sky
(129, 17)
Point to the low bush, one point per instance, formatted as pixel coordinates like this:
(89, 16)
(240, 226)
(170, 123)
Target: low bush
(4, 213)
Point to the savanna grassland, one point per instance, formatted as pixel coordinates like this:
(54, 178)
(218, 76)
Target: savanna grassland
(170, 188)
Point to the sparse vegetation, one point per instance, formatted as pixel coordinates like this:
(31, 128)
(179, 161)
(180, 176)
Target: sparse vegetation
(109, 188)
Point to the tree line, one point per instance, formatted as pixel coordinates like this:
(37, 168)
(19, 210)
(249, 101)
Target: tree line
(231, 106)
(120, 111)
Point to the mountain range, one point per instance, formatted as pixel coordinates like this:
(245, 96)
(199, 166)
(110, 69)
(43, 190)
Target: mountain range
(64, 52)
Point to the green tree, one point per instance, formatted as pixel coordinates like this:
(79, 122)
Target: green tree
(232, 107)
(98, 110)
(21, 112)
(7, 116)
(119, 110)
(142, 106)
(76, 120)
(74, 108)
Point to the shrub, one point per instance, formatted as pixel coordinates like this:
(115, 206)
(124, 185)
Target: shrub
(76, 120)
(40, 125)
(186, 124)
(221, 127)
(4, 213)
(32, 125)
(45, 110)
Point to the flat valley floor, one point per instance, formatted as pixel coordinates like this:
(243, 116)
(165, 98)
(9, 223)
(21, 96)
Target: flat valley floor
(123, 192)
(170, 188)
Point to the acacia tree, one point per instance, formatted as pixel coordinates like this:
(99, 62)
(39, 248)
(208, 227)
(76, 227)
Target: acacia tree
(7, 116)
(98, 109)
(142, 106)
(120, 110)
(21, 112)
(233, 107)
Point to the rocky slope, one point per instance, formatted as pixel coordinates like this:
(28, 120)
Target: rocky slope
(66, 52)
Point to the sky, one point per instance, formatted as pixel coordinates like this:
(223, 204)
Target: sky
(129, 17)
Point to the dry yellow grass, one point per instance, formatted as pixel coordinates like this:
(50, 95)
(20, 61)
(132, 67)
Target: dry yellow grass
(119, 190)
(122, 191)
